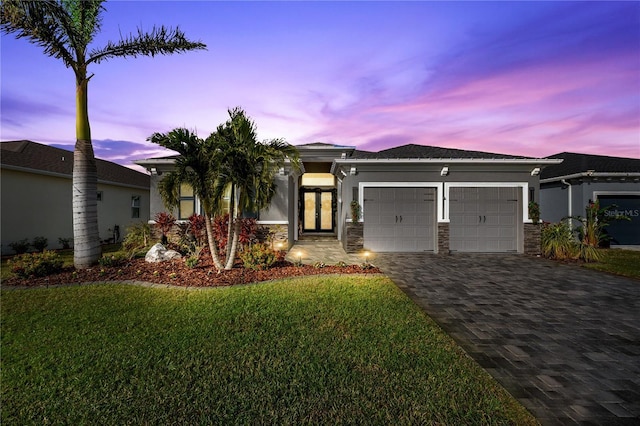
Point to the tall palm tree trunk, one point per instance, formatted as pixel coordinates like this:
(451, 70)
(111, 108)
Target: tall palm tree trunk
(232, 210)
(212, 244)
(86, 236)
(234, 245)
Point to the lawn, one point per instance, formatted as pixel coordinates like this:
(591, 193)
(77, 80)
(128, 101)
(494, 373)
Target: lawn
(325, 349)
(619, 262)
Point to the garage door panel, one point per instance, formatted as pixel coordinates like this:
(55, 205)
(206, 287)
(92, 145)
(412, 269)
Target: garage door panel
(483, 219)
(399, 219)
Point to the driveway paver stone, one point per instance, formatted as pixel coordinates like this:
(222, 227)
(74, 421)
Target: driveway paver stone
(563, 340)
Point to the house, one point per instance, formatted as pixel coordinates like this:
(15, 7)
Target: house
(36, 195)
(412, 198)
(567, 188)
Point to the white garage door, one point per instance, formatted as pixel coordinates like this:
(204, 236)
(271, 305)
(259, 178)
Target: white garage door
(483, 219)
(399, 219)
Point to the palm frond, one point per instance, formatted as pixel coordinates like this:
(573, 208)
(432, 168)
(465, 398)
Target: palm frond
(45, 23)
(160, 41)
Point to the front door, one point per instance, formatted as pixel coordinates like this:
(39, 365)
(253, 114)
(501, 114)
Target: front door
(317, 210)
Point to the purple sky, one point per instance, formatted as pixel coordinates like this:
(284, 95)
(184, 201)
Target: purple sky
(531, 79)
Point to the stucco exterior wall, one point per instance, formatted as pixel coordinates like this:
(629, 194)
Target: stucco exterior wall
(37, 205)
(554, 196)
(279, 208)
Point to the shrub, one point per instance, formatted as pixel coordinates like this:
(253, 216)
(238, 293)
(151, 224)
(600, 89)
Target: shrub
(319, 265)
(558, 242)
(21, 246)
(40, 243)
(197, 228)
(248, 231)
(341, 264)
(592, 231)
(137, 239)
(36, 264)
(65, 242)
(164, 222)
(192, 261)
(258, 257)
(355, 211)
(534, 212)
(113, 259)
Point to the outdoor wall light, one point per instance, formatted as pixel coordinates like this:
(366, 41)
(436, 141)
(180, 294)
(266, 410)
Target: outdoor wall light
(343, 173)
(281, 171)
(153, 171)
(535, 171)
(353, 171)
(444, 171)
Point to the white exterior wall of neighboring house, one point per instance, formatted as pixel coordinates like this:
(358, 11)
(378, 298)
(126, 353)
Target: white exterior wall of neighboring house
(39, 205)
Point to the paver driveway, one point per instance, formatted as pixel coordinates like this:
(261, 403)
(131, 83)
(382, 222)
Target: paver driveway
(562, 339)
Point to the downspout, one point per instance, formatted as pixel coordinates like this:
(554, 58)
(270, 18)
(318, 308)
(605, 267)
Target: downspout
(564, 182)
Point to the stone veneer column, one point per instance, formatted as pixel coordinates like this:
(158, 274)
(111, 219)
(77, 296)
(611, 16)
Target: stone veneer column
(443, 238)
(355, 237)
(532, 238)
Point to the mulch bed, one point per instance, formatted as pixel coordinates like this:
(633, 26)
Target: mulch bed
(175, 272)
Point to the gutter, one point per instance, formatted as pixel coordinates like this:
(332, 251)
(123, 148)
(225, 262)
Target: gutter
(569, 196)
(590, 174)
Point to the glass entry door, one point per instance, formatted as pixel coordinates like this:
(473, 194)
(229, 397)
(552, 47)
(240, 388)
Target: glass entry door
(318, 210)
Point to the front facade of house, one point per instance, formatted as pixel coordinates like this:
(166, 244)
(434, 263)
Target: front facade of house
(36, 195)
(567, 188)
(413, 198)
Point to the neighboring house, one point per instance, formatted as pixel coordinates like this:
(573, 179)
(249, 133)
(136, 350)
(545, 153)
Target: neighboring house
(36, 195)
(413, 198)
(567, 188)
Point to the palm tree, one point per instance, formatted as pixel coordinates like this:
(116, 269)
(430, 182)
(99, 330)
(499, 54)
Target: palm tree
(65, 29)
(194, 168)
(250, 168)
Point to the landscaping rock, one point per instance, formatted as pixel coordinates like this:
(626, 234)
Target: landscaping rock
(159, 253)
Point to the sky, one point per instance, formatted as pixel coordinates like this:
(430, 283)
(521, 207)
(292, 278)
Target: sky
(521, 78)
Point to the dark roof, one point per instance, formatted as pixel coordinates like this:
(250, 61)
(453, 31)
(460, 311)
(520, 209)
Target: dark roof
(35, 156)
(422, 151)
(581, 163)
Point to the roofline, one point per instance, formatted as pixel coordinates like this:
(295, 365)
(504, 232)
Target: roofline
(155, 161)
(590, 174)
(66, 176)
(538, 161)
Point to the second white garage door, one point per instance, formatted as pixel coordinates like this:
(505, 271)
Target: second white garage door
(483, 219)
(399, 219)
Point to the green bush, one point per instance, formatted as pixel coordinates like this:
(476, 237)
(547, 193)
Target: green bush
(138, 238)
(258, 257)
(36, 264)
(558, 242)
(21, 246)
(40, 243)
(65, 242)
(113, 259)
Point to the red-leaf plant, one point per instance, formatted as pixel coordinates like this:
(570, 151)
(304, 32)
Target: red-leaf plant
(164, 222)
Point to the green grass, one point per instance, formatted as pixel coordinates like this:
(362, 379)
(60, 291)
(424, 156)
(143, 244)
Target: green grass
(619, 262)
(328, 350)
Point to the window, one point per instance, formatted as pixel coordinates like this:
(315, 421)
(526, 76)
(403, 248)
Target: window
(318, 179)
(99, 196)
(187, 202)
(135, 206)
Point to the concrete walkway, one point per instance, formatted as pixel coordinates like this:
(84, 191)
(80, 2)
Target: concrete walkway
(563, 340)
(329, 252)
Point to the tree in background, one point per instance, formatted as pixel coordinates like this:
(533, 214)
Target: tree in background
(65, 29)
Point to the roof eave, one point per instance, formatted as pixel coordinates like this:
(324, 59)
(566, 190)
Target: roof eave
(590, 174)
(527, 161)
